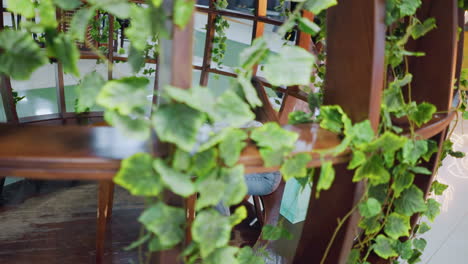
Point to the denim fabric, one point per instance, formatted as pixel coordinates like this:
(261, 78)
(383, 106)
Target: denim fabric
(262, 183)
(257, 184)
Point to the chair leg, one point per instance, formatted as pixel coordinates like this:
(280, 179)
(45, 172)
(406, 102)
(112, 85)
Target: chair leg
(258, 210)
(105, 202)
(2, 182)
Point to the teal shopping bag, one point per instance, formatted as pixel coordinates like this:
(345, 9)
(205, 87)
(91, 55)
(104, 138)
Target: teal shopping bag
(295, 201)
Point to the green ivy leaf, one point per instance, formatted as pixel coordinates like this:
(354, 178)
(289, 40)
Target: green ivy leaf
(126, 95)
(326, 178)
(231, 109)
(422, 29)
(307, 26)
(139, 242)
(397, 225)
(317, 6)
(253, 54)
(273, 157)
(370, 225)
(370, 208)
(204, 162)
(65, 50)
(419, 244)
(48, 14)
(433, 209)
(234, 178)
(20, 56)
(353, 256)
(239, 215)
(402, 182)
(291, 66)
(272, 136)
(333, 118)
(119, 8)
(465, 115)
(438, 188)
(88, 90)
(136, 128)
(379, 192)
(413, 150)
(362, 133)
(384, 247)
(79, 23)
(138, 31)
(178, 182)
(183, 10)
(23, 7)
(272, 233)
(166, 222)
(409, 7)
(178, 124)
(404, 249)
(211, 236)
(422, 114)
(296, 167)
(247, 256)
(138, 177)
(299, 117)
(222, 255)
(208, 197)
(423, 228)
(68, 4)
(198, 97)
(388, 142)
(136, 59)
(358, 159)
(232, 145)
(373, 170)
(249, 91)
(182, 160)
(410, 202)
(420, 170)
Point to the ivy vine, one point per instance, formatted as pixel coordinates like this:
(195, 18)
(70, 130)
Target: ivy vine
(205, 135)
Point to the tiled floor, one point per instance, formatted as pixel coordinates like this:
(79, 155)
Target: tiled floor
(448, 239)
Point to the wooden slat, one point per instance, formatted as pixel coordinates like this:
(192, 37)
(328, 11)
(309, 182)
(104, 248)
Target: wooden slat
(208, 50)
(355, 58)
(110, 47)
(434, 73)
(5, 87)
(6, 93)
(60, 89)
(236, 14)
(355, 63)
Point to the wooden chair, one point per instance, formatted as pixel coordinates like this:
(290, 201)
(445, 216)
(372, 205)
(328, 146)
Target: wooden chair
(354, 81)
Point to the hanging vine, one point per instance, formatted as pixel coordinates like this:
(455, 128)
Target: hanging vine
(205, 137)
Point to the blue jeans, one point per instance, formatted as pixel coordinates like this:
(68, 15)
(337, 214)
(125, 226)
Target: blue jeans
(257, 184)
(262, 183)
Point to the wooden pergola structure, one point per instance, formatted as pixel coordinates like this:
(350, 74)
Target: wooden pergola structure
(54, 147)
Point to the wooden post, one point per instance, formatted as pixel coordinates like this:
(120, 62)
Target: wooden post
(355, 68)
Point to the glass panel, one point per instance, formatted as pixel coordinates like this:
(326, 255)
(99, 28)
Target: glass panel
(219, 83)
(239, 36)
(70, 81)
(243, 6)
(39, 91)
(199, 37)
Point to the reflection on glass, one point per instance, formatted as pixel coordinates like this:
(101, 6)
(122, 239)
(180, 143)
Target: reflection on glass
(39, 91)
(239, 36)
(199, 37)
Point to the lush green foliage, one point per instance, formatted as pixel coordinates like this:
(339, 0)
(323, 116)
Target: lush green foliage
(204, 132)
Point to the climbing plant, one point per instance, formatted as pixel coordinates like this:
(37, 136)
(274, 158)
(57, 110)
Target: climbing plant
(204, 135)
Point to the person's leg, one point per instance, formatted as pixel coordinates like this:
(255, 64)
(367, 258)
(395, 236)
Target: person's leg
(262, 183)
(257, 184)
